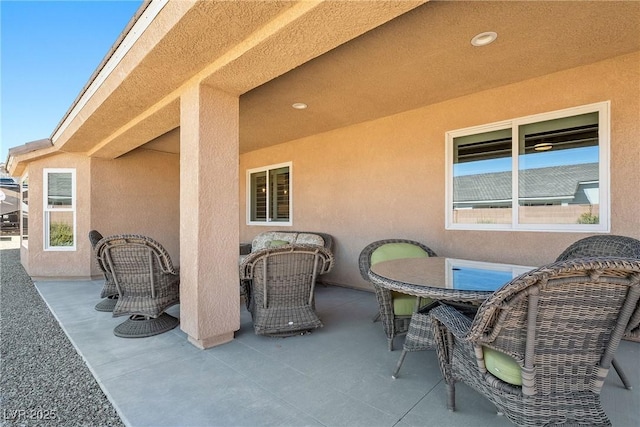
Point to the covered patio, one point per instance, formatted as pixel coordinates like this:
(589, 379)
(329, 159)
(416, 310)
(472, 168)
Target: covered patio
(196, 95)
(339, 375)
(198, 98)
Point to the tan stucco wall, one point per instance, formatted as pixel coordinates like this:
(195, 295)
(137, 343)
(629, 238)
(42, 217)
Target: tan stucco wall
(386, 178)
(138, 193)
(58, 264)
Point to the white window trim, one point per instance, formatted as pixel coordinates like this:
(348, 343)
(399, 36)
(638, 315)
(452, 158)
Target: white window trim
(23, 242)
(46, 209)
(248, 195)
(604, 123)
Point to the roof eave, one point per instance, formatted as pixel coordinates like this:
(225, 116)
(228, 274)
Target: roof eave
(18, 157)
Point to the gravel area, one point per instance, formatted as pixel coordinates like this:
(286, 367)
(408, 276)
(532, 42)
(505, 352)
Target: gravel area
(43, 380)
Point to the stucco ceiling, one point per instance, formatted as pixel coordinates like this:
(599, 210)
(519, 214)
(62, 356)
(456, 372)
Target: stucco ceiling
(233, 46)
(425, 56)
(349, 61)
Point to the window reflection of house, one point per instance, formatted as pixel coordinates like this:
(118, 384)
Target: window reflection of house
(532, 173)
(573, 188)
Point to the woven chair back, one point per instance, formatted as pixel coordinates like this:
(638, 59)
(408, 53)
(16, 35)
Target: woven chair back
(98, 248)
(364, 260)
(564, 321)
(599, 246)
(136, 262)
(286, 276)
(94, 238)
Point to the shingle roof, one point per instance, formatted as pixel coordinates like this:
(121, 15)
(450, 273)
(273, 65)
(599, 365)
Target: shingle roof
(549, 182)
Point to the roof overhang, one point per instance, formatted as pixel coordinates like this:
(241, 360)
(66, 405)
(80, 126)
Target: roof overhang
(233, 46)
(18, 157)
(352, 61)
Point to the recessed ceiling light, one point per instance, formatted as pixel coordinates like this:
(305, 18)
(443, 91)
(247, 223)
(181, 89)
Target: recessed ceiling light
(299, 105)
(484, 39)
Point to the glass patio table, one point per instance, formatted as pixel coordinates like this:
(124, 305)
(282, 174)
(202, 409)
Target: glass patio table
(462, 283)
(444, 279)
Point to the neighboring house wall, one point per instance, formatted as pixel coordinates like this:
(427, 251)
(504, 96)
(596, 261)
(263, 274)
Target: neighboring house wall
(138, 193)
(386, 178)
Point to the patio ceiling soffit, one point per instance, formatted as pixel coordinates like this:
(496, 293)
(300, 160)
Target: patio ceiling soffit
(182, 44)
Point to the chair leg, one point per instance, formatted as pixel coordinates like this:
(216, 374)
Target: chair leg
(399, 365)
(390, 344)
(376, 318)
(451, 395)
(622, 375)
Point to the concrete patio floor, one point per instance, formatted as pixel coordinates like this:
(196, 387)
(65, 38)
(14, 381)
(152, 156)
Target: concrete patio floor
(339, 375)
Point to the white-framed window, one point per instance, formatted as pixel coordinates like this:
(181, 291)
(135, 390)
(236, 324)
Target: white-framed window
(545, 172)
(59, 192)
(269, 195)
(24, 210)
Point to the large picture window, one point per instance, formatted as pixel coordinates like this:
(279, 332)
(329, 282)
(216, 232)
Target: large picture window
(269, 195)
(59, 209)
(548, 172)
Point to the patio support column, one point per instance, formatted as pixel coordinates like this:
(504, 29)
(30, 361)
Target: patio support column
(209, 219)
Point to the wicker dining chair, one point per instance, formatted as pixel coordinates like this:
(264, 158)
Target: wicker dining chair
(540, 347)
(109, 291)
(608, 245)
(282, 285)
(396, 309)
(147, 283)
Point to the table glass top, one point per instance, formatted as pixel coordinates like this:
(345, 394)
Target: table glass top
(449, 273)
(480, 276)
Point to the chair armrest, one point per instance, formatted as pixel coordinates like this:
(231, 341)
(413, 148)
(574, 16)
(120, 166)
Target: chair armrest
(456, 322)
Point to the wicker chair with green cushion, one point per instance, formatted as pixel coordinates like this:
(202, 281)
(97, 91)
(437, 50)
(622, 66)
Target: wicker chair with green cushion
(608, 245)
(109, 290)
(282, 285)
(147, 283)
(395, 308)
(540, 347)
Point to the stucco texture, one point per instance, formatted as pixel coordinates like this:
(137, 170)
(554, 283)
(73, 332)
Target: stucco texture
(386, 178)
(209, 293)
(57, 263)
(137, 193)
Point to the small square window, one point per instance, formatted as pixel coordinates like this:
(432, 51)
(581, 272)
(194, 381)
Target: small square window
(269, 195)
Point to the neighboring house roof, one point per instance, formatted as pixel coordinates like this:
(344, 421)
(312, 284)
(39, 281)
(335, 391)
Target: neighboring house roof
(556, 182)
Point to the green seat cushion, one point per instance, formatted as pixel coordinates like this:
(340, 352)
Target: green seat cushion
(391, 251)
(276, 243)
(403, 304)
(502, 366)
